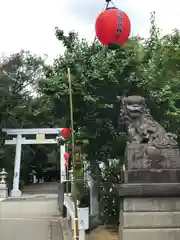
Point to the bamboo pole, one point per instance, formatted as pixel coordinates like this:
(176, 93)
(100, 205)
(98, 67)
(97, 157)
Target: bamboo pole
(76, 227)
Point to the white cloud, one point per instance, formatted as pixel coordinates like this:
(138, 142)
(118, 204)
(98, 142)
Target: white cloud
(29, 24)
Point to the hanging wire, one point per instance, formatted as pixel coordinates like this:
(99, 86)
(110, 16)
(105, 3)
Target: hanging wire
(108, 2)
(112, 2)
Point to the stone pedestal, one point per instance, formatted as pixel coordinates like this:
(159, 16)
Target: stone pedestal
(3, 191)
(16, 193)
(3, 185)
(149, 211)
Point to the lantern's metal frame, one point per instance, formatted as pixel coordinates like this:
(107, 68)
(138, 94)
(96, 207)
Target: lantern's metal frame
(76, 222)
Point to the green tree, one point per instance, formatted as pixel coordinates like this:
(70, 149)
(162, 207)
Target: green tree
(20, 103)
(148, 67)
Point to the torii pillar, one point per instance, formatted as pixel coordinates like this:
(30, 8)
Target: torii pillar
(17, 165)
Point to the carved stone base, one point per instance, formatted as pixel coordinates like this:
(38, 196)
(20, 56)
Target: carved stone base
(149, 189)
(152, 176)
(137, 158)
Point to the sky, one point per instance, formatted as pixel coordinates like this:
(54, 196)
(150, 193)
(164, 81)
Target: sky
(30, 24)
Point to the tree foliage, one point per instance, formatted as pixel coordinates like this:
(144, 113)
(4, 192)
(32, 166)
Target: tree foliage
(20, 104)
(146, 67)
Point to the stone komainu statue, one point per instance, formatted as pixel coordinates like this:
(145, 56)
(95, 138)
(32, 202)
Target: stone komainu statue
(149, 145)
(151, 180)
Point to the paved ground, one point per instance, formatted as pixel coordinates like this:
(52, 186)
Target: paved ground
(102, 234)
(40, 188)
(30, 217)
(35, 217)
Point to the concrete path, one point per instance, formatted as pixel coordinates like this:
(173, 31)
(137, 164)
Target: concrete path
(30, 217)
(40, 188)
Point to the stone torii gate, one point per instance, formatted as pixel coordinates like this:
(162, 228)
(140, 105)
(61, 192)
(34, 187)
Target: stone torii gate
(19, 140)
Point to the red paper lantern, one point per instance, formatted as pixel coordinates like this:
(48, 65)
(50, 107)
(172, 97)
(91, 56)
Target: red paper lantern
(66, 156)
(66, 133)
(112, 27)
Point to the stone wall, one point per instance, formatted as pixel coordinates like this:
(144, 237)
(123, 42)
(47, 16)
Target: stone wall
(147, 218)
